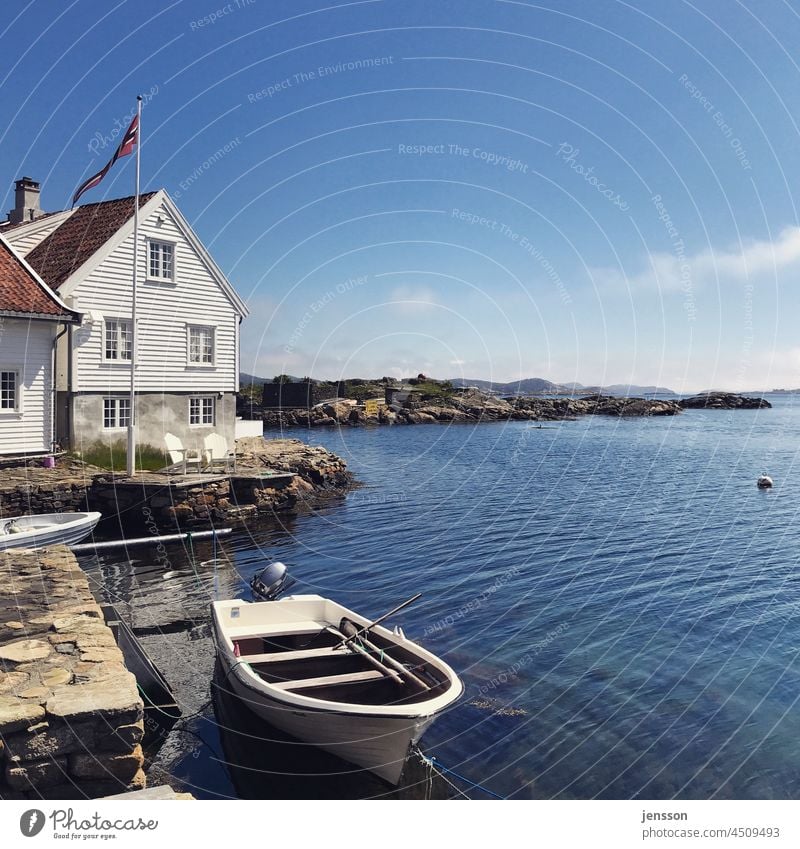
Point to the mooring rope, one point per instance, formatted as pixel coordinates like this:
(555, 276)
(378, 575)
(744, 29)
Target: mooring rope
(444, 771)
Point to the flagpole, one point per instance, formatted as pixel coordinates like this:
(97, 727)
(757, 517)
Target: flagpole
(134, 333)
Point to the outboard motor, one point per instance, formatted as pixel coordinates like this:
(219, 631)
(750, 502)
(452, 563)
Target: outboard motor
(271, 581)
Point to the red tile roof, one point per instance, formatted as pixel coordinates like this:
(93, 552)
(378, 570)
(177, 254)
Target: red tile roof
(21, 292)
(66, 249)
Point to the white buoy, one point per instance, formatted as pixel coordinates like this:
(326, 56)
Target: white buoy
(764, 482)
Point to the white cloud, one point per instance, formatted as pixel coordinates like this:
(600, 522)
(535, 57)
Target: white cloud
(407, 299)
(674, 272)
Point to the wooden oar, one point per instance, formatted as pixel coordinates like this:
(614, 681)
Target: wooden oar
(389, 673)
(348, 626)
(380, 619)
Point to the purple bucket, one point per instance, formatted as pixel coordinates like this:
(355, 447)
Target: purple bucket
(49, 462)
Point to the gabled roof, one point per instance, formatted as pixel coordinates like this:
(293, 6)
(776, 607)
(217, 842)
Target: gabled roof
(68, 247)
(91, 231)
(24, 294)
(6, 226)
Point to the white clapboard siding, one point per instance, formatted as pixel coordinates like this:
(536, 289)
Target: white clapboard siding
(26, 347)
(27, 236)
(164, 310)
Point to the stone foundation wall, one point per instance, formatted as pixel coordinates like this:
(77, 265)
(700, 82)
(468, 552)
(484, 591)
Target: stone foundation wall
(164, 501)
(61, 497)
(71, 719)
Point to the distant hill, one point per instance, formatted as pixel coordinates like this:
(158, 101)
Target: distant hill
(517, 387)
(534, 385)
(528, 386)
(246, 379)
(633, 389)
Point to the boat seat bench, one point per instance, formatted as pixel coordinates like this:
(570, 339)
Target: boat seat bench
(300, 654)
(328, 680)
(280, 629)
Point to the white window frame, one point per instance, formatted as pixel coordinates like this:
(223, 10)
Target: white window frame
(200, 399)
(213, 330)
(117, 402)
(119, 360)
(159, 278)
(17, 372)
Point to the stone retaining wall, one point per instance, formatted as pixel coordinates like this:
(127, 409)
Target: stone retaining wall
(57, 497)
(71, 719)
(163, 501)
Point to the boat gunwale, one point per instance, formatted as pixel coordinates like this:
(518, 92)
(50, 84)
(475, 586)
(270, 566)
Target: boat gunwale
(39, 536)
(413, 710)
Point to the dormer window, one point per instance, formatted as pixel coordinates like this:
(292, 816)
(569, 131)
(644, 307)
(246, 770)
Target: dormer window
(161, 261)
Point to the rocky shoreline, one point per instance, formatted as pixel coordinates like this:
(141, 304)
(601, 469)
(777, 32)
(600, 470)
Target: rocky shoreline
(472, 408)
(475, 407)
(71, 717)
(257, 488)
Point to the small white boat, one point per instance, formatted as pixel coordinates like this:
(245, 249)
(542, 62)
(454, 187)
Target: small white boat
(46, 529)
(764, 482)
(332, 678)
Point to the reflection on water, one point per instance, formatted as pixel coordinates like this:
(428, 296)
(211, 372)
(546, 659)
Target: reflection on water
(618, 596)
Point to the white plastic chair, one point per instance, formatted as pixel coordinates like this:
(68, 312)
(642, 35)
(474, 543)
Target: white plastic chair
(218, 453)
(181, 456)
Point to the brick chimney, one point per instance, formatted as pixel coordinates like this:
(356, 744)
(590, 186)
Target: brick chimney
(26, 201)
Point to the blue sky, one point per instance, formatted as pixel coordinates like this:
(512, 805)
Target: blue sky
(599, 192)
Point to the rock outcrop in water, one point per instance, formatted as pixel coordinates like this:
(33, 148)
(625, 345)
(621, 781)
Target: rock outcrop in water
(723, 401)
(466, 407)
(317, 469)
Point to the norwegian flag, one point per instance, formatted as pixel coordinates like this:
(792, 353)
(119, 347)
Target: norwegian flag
(126, 146)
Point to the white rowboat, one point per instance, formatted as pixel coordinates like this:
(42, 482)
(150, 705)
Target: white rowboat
(366, 700)
(46, 529)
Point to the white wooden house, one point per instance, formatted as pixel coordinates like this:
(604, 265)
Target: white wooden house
(188, 320)
(31, 319)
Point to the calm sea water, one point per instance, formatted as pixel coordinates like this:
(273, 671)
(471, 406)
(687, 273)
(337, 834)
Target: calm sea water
(619, 597)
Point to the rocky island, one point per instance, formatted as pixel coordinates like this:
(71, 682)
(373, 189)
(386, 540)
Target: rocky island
(427, 401)
(723, 401)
